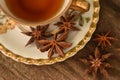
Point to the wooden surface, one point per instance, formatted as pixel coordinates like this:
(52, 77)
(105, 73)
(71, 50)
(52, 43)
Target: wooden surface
(71, 69)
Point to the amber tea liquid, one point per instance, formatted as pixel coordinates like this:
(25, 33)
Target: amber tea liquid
(34, 10)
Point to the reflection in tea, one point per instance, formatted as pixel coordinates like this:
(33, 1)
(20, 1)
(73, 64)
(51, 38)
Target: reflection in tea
(34, 10)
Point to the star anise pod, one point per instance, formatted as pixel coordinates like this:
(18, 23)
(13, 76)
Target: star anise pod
(67, 22)
(37, 33)
(56, 45)
(104, 40)
(97, 63)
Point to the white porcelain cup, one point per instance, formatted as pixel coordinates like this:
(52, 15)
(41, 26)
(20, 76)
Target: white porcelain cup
(64, 8)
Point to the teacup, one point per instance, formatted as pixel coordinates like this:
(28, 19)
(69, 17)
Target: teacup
(66, 5)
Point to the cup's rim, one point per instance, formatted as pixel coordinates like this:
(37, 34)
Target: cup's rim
(38, 23)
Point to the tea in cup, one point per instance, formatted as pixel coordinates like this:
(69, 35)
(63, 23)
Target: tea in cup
(35, 12)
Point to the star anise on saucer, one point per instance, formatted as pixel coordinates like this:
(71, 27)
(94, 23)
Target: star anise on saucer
(56, 45)
(97, 63)
(104, 40)
(67, 22)
(37, 33)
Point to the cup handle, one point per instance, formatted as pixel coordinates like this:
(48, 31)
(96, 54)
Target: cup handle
(80, 5)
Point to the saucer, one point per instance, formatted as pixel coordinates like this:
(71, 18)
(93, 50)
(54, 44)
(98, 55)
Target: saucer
(12, 41)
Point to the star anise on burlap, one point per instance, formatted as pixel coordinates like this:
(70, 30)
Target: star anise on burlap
(56, 45)
(67, 22)
(104, 40)
(97, 63)
(37, 33)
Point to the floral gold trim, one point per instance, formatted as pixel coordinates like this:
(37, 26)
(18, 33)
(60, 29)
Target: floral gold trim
(9, 25)
(57, 59)
(3, 29)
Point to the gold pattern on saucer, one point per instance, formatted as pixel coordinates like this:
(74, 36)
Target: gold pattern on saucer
(69, 54)
(3, 29)
(5, 23)
(10, 24)
(80, 5)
